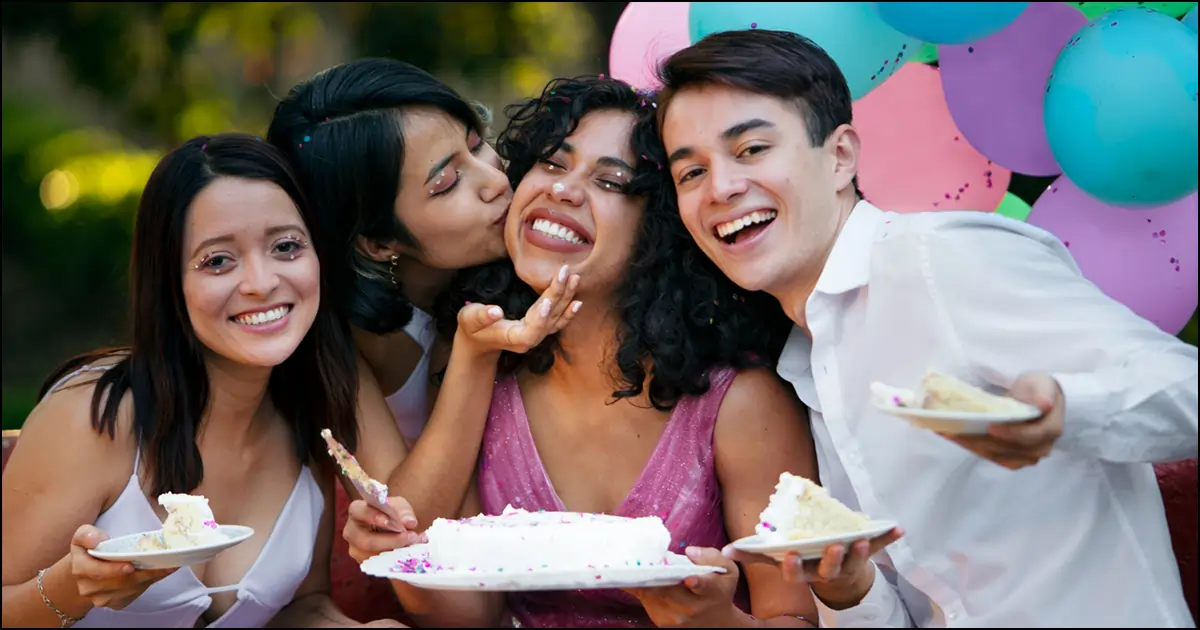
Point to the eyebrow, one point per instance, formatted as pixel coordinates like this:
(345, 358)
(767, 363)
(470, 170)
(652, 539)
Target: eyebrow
(729, 134)
(607, 160)
(229, 238)
(441, 164)
(444, 162)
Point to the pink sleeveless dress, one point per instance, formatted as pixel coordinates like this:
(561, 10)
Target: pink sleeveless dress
(678, 484)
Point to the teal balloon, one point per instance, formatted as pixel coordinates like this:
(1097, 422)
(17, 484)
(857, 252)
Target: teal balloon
(949, 22)
(1189, 20)
(867, 50)
(1120, 108)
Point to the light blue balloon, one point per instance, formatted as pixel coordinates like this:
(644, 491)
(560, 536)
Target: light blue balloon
(1120, 108)
(867, 50)
(949, 22)
(1189, 20)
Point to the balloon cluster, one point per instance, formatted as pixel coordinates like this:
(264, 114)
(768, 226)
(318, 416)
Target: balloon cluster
(952, 98)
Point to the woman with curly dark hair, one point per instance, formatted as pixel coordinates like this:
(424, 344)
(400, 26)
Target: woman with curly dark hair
(654, 401)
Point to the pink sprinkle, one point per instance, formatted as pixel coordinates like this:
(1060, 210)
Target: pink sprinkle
(754, 25)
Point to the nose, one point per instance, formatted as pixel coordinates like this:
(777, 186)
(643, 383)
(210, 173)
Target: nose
(565, 190)
(259, 276)
(725, 184)
(495, 181)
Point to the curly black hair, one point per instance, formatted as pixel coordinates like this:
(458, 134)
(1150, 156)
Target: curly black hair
(679, 315)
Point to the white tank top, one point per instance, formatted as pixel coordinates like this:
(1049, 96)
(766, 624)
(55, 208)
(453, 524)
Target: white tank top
(410, 403)
(179, 600)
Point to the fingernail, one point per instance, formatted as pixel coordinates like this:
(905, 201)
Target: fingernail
(545, 308)
(562, 274)
(381, 521)
(576, 306)
(692, 552)
(496, 312)
(127, 568)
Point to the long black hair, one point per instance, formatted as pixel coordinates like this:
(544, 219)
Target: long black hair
(679, 315)
(342, 131)
(164, 370)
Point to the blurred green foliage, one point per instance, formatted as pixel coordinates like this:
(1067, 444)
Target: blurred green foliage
(95, 92)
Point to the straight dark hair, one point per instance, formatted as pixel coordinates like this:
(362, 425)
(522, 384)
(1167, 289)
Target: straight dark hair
(782, 64)
(164, 371)
(343, 131)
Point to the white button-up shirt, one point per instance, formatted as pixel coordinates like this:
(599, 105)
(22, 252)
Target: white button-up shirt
(1078, 540)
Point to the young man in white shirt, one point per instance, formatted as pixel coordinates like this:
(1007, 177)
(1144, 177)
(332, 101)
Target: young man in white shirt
(1053, 522)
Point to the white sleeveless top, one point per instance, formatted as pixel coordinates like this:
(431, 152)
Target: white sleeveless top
(410, 403)
(179, 600)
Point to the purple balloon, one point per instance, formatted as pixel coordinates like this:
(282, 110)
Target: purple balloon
(1144, 258)
(995, 86)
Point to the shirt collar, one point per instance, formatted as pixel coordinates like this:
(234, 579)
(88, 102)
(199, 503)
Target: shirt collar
(849, 263)
(848, 268)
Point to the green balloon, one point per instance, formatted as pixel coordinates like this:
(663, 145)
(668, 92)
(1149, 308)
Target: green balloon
(1095, 9)
(1013, 207)
(926, 54)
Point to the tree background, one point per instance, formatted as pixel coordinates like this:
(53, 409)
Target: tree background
(95, 92)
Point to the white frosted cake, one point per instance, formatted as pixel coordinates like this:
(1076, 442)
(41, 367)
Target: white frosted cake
(946, 393)
(189, 523)
(518, 540)
(800, 509)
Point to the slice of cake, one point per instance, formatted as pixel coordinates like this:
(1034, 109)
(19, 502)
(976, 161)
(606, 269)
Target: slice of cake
(800, 509)
(946, 393)
(189, 523)
(518, 540)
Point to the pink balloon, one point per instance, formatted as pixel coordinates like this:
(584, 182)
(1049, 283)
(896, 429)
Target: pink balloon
(913, 156)
(647, 33)
(996, 86)
(1145, 259)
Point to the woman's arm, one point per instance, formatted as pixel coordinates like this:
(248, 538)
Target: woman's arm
(762, 430)
(435, 475)
(312, 606)
(62, 475)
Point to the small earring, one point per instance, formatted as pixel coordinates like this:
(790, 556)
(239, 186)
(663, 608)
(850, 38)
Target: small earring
(392, 270)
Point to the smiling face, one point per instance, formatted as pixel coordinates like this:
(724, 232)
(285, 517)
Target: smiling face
(761, 201)
(453, 194)
(571, 208)
(251, 282)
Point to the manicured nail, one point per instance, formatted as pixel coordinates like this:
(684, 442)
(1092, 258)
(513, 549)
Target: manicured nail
(545, 308)
(495, 312)
(575, 307)
(562, 274)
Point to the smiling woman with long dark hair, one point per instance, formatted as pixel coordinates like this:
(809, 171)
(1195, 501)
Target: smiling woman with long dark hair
(234, 368)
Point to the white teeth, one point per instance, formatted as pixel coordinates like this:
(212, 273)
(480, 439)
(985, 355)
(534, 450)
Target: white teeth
(555, 230)
(732, 227)
(264, 317)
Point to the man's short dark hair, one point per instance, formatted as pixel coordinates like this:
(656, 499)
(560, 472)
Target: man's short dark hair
(775, 63)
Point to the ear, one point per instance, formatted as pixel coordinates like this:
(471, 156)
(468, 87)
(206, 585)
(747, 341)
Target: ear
(381, 252)
(846, 147)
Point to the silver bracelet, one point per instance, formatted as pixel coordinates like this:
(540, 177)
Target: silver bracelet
(64, 618)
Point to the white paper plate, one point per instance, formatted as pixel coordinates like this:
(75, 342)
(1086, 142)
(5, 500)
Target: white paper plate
(124, 549)
(392, 565)
(812, 548)
(956, 422)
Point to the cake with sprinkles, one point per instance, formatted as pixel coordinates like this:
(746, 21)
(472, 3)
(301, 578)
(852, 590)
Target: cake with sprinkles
(801, 510)
(517, 540)
(189, 523)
